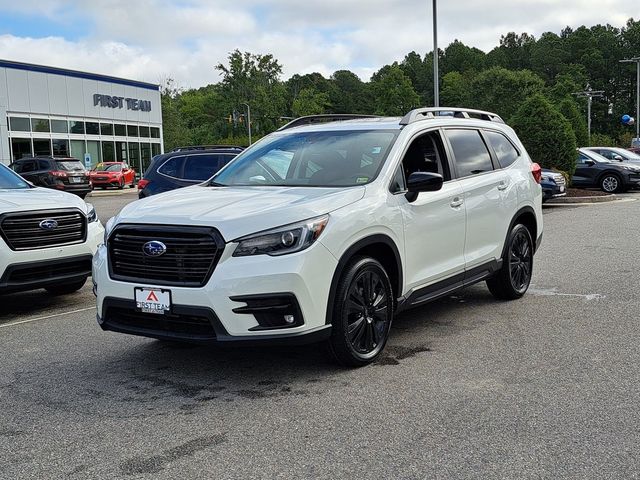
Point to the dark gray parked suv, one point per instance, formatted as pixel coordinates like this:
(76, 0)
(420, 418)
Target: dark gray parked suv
(60, 173)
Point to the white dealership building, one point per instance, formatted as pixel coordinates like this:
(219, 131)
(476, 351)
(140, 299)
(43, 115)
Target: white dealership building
(54, 111)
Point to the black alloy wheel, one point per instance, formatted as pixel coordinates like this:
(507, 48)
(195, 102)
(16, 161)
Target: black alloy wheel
(520, 261)
(363, 313)
(513, 279)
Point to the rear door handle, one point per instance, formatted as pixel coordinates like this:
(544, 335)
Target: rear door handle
(456, 202)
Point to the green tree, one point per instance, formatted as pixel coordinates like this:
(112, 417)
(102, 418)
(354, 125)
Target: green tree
(458, 57)
(546, 134)
(309, 102)
(569, 109)
(349, 94)
(455, 90)
(393, 92)
(502, 91)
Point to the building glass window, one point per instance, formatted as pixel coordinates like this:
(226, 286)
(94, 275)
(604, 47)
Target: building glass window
(60, 147)
(106, 128)
(77, 149)
(155, 149)
(76, 127)
(121, 130)
(121, 151)
(19, 124)
(144, 132)
(132, 130)
(134, 156)
(93, 149)
(41, 147)
(108, 152)
(59, 126)
(21, 147)
(155, 132)
(93, 128)
(145, 155)
(40, 125)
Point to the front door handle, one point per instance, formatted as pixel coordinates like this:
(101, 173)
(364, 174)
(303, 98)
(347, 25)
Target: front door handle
(503, 185)
(456, 202)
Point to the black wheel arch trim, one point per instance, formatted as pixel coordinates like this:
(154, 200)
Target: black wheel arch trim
(350, 253)
(519, 213)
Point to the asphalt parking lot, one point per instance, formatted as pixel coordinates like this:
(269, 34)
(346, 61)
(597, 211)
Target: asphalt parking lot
(544, 387)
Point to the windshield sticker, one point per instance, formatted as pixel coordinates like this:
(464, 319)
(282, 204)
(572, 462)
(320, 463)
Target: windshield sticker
(362, 179)
(376, 150)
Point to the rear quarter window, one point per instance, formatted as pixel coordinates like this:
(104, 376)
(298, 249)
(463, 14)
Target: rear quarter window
(172, 167)
(504, 149)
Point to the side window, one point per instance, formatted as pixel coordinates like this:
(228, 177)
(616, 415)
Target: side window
(470, 152)
(398, 183)
(426, 154)
(201, 167)
(172, 167)
(43, 165)
(17, 167)
(29, 166)
(505, 151)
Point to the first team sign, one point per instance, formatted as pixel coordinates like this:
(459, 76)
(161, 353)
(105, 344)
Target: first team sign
(119, 102)
(150, 300)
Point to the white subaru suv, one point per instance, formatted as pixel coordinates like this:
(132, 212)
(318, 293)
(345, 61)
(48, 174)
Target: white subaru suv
(325, 229)
(47, 237)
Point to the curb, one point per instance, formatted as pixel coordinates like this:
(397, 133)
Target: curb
(116, 193)
(594, 199)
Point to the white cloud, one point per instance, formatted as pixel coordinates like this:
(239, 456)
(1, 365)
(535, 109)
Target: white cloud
(152, 39)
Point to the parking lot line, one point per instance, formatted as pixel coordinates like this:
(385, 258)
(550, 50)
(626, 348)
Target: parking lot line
(46, 317)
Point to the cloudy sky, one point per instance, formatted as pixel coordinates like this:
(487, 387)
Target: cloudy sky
(153, 39)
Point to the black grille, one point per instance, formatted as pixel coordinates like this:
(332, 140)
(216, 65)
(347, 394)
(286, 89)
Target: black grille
(169, 323)
(22, 231)
(39, 272)
(189, 260)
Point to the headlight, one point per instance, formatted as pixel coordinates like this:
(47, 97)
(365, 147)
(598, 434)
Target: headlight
(282, 240)
(92, 216)
(544, 178)
(633, 169)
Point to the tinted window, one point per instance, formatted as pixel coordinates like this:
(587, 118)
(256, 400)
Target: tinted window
(19, 124)
(59, 126)
(155, 132)
(144, 132)
(132, 130)
(470, 152)
(69, 165)
(93, 128)
(106, 128)
(172, 167)
(76, 127)
(43, 165)
(201, 167)
(121, 130)
(29, 166)
(397, 184)
(505, 151)
(9, 180)
(40, 125)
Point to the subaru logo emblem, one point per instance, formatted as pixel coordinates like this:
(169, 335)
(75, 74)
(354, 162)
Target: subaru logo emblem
(48, 224)
(154, 248)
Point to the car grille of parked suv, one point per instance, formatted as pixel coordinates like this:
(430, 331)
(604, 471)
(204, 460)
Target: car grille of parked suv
(188, 260)
(559, 179)
(43, 229)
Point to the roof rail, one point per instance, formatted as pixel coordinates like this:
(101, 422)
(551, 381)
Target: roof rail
(206, 147)
(432, 112)
(311, 119)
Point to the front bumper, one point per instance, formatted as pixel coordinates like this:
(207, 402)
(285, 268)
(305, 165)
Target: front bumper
(109, 182)
(32, 269)
(305, 276)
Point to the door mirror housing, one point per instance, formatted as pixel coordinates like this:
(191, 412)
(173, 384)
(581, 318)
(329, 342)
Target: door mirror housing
(618, 158)
(423, 182)
(589, 163)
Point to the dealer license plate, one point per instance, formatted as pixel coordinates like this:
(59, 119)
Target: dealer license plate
(561, 188)
(153, 300)
(75, 179)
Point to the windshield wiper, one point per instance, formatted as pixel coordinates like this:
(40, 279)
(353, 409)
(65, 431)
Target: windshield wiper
(215, 184)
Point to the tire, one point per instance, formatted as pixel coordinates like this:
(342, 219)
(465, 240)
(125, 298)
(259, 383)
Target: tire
(611, 183)
(512, 280)
(362, 315)
(121, 186)
(66, 288)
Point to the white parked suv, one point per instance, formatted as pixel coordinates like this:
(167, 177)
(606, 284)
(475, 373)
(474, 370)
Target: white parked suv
(47, 238)
(324, 230)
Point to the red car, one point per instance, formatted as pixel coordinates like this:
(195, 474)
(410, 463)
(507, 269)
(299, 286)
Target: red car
(113, 174)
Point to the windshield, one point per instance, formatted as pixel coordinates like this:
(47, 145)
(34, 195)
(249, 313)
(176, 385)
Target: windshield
(10, 180)
(311, 159)
(627, 154)
(596, 157)
(108, 167)
(70, 165)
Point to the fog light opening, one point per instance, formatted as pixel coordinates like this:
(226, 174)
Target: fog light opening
(289, 319)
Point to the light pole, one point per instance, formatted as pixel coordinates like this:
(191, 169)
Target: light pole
(589, 93)
(248, 119)
(636, 60)
(436, 83)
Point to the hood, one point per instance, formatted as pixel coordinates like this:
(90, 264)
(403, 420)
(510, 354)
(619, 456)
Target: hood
(238, 211)
(37, 199)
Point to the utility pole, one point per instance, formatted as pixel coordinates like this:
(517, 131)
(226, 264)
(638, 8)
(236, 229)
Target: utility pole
(436, 82)
(248, 120)
(590, 94)
(636, 60)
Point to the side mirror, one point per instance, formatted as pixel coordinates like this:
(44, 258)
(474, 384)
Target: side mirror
(618, 158)
(589, 162)
(423, 182)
